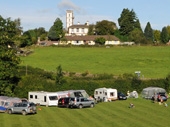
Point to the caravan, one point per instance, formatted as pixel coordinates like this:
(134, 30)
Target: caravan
(105, 94)
(45, 98)
(51, 98)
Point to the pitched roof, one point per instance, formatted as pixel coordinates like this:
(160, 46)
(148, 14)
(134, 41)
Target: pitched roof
(91, 37)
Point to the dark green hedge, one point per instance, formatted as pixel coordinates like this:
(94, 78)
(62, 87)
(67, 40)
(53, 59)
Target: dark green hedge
(39, 80)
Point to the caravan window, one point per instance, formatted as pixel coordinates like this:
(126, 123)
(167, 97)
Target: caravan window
(111, 94)
(78, 94)
(106, 93)
(53, 98)
(31, 96)
(100, 92)
(96, 92)
(35, 96)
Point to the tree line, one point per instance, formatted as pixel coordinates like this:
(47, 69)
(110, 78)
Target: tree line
(128, 30)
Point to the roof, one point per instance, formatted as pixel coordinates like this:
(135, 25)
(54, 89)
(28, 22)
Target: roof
(79, 26)
(91, 37)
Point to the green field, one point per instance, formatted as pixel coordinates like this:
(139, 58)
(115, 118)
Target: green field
(152, 61)
(106, 114)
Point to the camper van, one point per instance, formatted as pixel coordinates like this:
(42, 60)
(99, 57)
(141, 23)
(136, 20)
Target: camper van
(51, 98)
(105, 94)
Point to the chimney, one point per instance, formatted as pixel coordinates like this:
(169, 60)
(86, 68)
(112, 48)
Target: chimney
(87, 23)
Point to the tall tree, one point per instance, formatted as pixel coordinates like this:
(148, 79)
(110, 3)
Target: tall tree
(128, 21)
(148, 32)
(105, 27)
(56, 31)
(8, 59)
(164, 35)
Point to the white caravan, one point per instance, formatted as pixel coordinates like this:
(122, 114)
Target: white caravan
(105, 94)
(46, 98)
(51, 98)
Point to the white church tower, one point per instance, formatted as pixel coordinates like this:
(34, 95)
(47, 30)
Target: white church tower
(69, 18)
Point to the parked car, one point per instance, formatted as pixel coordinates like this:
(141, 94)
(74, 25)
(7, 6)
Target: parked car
(64, 102)
(80, 102)
(24, 108)
(160, 97)
(121, 96)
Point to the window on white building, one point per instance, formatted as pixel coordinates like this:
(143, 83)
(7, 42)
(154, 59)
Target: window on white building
(82, 30)
(72, 30)
(77, 29)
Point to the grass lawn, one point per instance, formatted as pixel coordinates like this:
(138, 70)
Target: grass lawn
(106, 114)
(152, 61)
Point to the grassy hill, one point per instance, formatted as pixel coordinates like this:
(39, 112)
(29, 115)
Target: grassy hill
(153, 62)
(106, 114)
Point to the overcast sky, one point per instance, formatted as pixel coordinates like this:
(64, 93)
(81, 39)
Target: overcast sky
(43, 13)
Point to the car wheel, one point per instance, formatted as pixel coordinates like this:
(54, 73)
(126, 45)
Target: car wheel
(9, 111)
(24, 113)
(92, 105)
(71, 106)
(80, 106)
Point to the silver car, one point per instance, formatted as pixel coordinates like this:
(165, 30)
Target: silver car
(80, 102)
(24, 108)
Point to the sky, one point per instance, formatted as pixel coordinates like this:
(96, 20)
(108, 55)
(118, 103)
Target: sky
(43, 13)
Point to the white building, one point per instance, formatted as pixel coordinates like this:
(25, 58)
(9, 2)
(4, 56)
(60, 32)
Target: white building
(69, 19)
(75, 29)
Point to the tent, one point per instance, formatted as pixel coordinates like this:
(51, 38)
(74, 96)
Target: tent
(133, 94)
(6, 102)
(151, 91)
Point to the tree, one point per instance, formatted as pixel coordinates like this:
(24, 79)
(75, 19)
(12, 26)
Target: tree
(91, 30)
(156, 34)
(40, 32)
(56, 31)
(164, 35)
(168, 29)
(137, 36)
(100, 40)
(128, 21)
(148, 32)
(59, 77)
(28, 38)
(105, 28)
(8, 59)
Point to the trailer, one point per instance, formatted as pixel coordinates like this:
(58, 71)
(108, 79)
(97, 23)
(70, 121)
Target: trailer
(45, 98)
(51, 98)
(105, 94)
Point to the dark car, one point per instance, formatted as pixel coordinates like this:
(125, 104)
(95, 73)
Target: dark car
(64, 102)
(121, 96)
(160, 97)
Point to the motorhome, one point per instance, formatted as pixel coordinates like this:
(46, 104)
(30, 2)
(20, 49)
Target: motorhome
(51, 98)
(105, 94)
